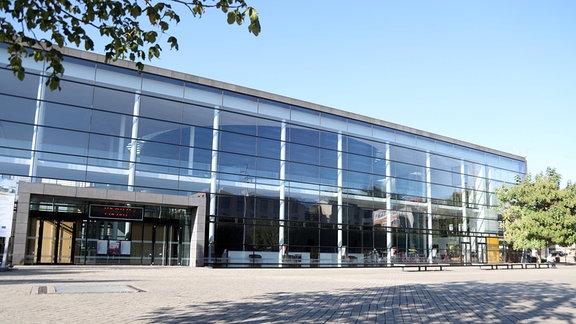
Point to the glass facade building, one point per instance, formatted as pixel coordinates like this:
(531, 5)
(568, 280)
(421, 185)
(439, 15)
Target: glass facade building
(230, 176)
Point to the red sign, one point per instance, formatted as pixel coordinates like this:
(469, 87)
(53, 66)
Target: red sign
(116, 212)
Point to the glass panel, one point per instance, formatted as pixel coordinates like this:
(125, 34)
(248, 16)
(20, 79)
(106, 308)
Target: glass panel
(69, 117)
(79, 68)
(305, 116)
(107, 172)
(116, 101)
(197, 115)
(162, 109)
(16, 135)
(202, 138)
(147, 243)
(328, 176)
(356, 146)
(302, 172)
(63, 141)
(236, 143)
(408, 179)
(14, 162)
(10, 85)
(48, 241)
(159, 85)
(51, 166)
(238, 123)
(274, 109)
(65, 242)
(17, 109)
(160, 245)
(268, 168)
(302, 153)
(333, 122)
(111, 124)
(303, 136)
(159, 131)
(445, 177)
(118, 77)
(239, 101)
(174, 253)
(268, 148)
(359, 128)
(358, 162)
(243, 167)
(72, 93)
(384, 134)
(203, 94)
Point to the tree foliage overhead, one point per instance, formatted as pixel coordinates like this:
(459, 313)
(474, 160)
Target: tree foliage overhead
(133, 29)
(537, 213)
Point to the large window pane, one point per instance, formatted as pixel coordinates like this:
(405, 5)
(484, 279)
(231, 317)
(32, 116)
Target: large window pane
(239, 101)
(111, 124)
(66, 117)
(303, 136)
(72, 93)
(16, 135)
(238, 123)
(64, 141)
(114, 100)
(268, 148)
(302, 154)
(237, 143)
(303, 172)
(197, 115)
(17, 109)
(109, 147)
(159, 154)
(159, 131)
(162, 109)
(10, 85)
(53, 166)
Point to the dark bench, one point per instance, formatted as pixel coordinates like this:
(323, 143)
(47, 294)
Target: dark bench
(422, 266)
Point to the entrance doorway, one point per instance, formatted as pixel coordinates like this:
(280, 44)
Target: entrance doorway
(55, 241)
(76, 231)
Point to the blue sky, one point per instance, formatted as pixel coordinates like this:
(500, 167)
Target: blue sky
(501, 74)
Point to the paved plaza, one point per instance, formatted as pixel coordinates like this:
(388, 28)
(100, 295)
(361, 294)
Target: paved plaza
(114, 294)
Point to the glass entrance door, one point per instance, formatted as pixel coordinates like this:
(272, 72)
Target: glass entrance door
(55, 243)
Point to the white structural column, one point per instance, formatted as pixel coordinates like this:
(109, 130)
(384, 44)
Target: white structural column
(134, 144)
(465, 239)
(213, 182)
(482, 200)
(38, 129)
(429, 207)
(191, 149)
(341, 248)
(388, 205)
(282, 189)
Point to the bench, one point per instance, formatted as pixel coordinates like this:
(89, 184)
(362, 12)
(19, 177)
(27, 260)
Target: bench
(420, 266)
(536, 265)
(496, 266)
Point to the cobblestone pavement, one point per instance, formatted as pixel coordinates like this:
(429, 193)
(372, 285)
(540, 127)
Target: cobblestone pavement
(113, 294)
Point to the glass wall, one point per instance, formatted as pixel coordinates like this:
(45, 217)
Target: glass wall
(289, 184)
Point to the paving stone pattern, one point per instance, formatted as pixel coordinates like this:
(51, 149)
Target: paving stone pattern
(111, 294)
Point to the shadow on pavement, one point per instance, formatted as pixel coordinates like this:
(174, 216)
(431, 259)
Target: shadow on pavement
(47, 275)
(472, 302)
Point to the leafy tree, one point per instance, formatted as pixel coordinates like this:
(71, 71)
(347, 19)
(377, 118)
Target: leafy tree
(131, 28)
(537, 213)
